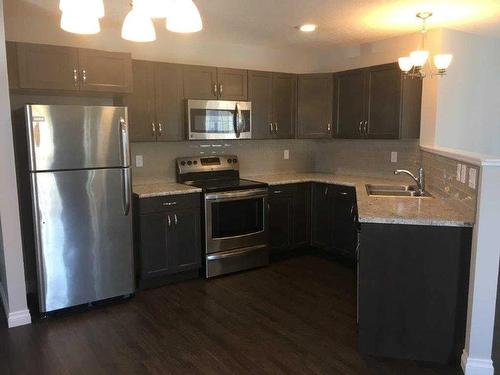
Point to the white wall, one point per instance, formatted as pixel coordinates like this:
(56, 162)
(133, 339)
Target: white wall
(468, 99)
(11, 256)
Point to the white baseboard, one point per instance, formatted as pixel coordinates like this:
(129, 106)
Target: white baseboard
(15, 318)
(476, 366)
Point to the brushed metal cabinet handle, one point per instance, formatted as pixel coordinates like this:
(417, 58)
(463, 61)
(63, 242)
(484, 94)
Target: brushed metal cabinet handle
(329, 127)
(361, 127)
(84, 75)
(169, 204)
(277, 192)
(270, 128)
(169, 221)
(215, 89)
(75, 76)
(160, 129)
(366, 128)
(153, 129)
(176, 221)
(220, 89)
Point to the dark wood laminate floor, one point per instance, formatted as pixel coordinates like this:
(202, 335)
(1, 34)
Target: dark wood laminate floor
(297, 316)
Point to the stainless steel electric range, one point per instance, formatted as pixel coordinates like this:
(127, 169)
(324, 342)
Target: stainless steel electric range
(235, 213)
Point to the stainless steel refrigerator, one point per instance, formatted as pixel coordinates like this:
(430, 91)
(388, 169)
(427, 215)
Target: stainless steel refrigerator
(79, 168)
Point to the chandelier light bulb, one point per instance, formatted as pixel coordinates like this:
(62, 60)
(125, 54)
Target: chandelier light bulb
(405, 64)
(184, 17)
(138, 26)
(419, 58)
(78, 23)
(84, 7)
(442, 61)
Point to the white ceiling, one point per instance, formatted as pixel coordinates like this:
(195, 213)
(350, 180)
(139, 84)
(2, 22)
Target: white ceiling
(272, 22)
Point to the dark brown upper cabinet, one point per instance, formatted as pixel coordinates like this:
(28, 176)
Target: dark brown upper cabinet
(376, 103)
(47, 67)
(260, 93)
(273, 97)
(315, 105)
(204, 82)
(156, 106)
(284, 104)
(103, 71)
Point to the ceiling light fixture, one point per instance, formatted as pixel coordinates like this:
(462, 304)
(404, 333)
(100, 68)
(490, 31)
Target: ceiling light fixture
(308, 27)
(155, 8)
(77, 23)
(413, 65)
(90, 7)
(184, 17)
(138, 26)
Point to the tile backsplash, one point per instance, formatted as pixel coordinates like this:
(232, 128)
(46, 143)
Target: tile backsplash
(441, 179)
(256, 157)
(365, 157)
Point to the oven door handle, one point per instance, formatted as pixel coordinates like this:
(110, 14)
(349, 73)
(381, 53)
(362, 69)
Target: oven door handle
(254, 193)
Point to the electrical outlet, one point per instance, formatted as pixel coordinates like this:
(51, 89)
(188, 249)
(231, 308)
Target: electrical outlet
(459, 172)
(139, 161)
(472, 178)
(286, 154)
(394, 157)
(463, 177)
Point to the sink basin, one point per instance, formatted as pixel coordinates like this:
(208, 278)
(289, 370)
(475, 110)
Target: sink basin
(395, 191)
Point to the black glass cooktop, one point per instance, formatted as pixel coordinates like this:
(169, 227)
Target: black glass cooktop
(210, 186)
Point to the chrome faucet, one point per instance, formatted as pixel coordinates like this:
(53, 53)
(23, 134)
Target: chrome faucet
(420, 180)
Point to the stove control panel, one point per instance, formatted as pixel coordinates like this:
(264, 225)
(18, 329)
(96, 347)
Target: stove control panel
(197, 164)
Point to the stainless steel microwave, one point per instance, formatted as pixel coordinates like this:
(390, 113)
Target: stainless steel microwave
(219, 119)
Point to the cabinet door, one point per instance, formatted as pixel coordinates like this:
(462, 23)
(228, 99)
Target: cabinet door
(284, 104)
(383, 101)
(301, 215)
(169, 102)
(260, 93)
(43, 66)
(280, 220)
(153, 245)
(103, 71)
(141, 103)
(200, 82)
(322, 214)
(233, 84)
(184, 241)
(315, 102)
(349, 104)
(345, 235)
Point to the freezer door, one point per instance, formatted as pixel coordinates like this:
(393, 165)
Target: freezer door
(83, 230)
(76, 137)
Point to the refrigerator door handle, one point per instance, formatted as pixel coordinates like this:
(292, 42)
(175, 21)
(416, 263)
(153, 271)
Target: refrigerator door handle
(124, 143)
(126, 190)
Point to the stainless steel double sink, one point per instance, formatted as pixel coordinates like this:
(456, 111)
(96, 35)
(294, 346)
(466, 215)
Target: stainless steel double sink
(403, 191)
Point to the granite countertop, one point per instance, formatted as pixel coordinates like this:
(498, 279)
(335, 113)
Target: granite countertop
(159, 189)
(435, 211)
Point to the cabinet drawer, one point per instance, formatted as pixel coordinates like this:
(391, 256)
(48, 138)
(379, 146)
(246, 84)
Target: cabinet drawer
(277, 190)
(169, 203)
(344, 192)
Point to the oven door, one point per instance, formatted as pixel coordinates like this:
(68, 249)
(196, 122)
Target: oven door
(219, 119)
(235, 219)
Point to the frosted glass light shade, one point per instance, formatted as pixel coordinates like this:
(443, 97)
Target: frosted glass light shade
(138, 27)
(405, 64)
(77, 23)
(184, 17)
(90, 7)
(443, 61)
(419, 58)
(154, 8)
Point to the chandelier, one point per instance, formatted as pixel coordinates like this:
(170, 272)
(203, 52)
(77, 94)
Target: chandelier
(82, 17)
(414, 66)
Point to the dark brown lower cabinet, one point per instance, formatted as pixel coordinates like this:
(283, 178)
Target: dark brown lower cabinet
(413, 283)
(168, 239)
(289, 216)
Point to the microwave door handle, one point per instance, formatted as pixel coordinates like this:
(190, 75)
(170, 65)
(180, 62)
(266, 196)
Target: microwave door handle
(238, 120)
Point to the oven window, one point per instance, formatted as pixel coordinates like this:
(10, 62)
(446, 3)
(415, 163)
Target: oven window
(238, 217)
(216, 121)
